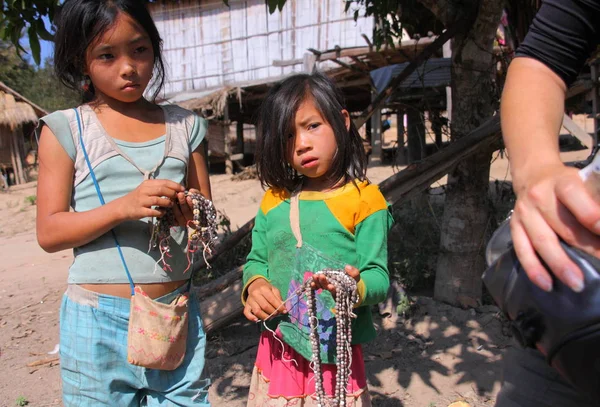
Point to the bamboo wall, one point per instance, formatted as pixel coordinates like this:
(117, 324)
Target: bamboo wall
(208, 45)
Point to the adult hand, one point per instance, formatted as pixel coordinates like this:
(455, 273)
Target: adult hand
(553, 203)
(320, 281)
(264, 301)
(148, 199)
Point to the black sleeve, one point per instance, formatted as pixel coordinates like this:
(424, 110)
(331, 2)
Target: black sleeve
(563, 35)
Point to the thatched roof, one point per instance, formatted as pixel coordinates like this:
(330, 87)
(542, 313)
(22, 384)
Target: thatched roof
(212, 103)
(16, 110)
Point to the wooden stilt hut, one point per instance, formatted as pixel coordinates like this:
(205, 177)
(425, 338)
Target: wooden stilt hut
(18, 118)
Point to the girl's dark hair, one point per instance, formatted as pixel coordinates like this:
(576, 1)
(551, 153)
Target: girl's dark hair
(81, 22)
(276, 121)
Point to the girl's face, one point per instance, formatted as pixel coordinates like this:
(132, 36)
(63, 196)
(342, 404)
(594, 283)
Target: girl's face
(312, 148)
(120, 62)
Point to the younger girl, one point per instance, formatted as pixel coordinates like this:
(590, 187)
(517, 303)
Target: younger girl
(143, 157)
(309, 152)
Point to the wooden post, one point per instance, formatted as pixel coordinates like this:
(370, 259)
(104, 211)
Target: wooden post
(415, 135)
(401, 152)
(376, 152)
(447, 53)
(226, 145)
(13, 158)
(309, 62)
(17, 158)
(20, 154)
(240, 135)
(436, 126)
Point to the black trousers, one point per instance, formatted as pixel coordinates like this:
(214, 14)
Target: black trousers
(528, 381)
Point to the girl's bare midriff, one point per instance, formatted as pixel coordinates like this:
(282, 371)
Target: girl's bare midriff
(154, 290)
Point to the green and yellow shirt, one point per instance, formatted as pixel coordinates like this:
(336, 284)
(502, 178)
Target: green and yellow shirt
(349, 224)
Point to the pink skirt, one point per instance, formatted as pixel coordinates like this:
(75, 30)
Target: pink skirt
(277, 381)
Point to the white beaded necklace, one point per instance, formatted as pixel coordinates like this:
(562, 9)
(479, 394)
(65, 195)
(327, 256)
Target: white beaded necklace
(346, 296)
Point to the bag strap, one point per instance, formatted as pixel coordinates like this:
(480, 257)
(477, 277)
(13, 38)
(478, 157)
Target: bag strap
(87, 160)
(146, 173)
(295, 217)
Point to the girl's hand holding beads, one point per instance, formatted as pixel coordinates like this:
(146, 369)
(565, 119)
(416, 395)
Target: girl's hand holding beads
(183, 210)
(263, 300)
(320, 280)
(147, 199)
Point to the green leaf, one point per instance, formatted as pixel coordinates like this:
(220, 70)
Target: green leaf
(272, 5)
(41, 30)
(34, 44)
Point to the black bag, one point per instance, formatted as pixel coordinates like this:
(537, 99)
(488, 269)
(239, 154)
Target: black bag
(562, 324)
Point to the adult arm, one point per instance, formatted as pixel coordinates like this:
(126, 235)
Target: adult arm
(552, 202)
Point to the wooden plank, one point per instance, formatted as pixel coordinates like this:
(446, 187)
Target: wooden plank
(228, 243)
(576, 131)
(239, 128)
(579, 86)
(417, 178)
(219, 284)
(221, 308)
(350, 52)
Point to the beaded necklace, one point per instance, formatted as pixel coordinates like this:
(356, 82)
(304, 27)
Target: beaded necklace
(202, 230)
(346, 296)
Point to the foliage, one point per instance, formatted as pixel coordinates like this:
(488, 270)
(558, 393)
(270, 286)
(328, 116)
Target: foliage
(38, 85)
(275, 5)
(21, 401)
(394, 16)
(14, 71)
(31, 199)
(48, 92)
(17, 16)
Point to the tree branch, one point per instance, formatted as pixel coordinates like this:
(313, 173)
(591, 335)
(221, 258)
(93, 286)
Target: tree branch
(439, 8)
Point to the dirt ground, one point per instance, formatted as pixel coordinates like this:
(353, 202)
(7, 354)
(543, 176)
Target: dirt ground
(434, 356)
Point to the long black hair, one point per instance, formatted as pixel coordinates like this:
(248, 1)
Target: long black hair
(80, 22)
(276, 122)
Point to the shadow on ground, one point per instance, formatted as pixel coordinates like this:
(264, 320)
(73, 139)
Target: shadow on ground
(437, 355)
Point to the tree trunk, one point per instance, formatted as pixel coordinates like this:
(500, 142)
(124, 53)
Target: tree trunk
(465, 219)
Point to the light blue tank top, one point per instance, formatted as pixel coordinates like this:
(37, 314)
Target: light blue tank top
(98, 262)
